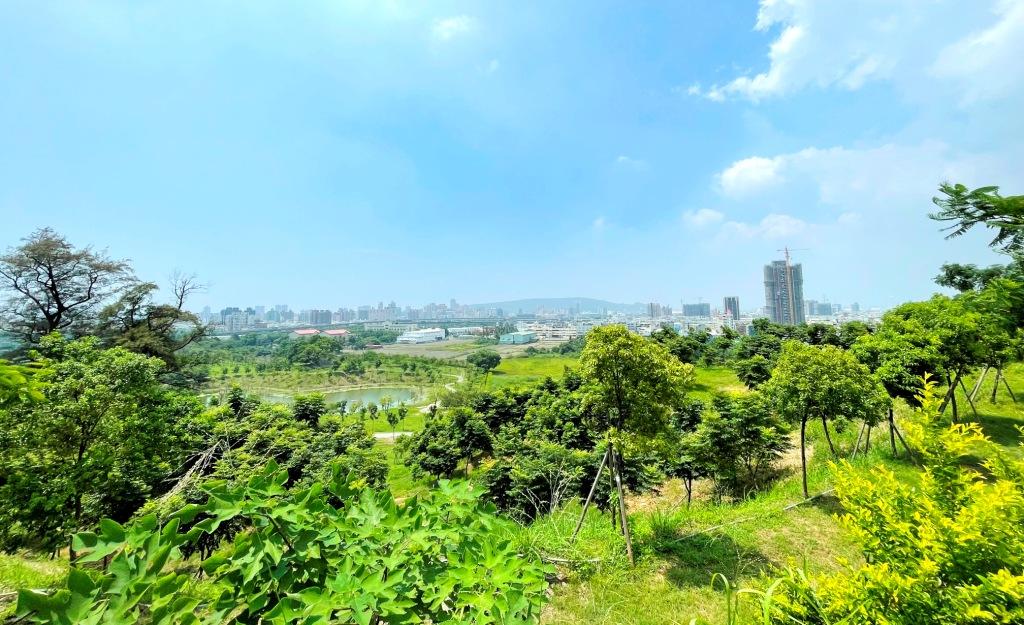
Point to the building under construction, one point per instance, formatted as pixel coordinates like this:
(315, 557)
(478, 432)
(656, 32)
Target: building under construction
(784, 291)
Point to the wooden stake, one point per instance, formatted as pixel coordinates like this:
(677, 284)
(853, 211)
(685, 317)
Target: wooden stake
(860, 435)
(978, 383)
(968, 396)
(622, 506)
(892, 432)
(590, 497)
(1009, 390)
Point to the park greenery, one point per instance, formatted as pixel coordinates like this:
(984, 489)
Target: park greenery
(722, 477)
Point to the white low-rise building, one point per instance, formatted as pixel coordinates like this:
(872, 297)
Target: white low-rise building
(427, 335)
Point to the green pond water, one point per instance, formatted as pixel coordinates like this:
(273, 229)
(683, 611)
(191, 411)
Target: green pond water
(397, 394)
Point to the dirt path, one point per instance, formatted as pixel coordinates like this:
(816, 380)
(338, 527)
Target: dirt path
(390, 436)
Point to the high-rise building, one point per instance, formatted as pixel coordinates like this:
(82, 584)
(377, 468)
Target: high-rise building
(731, 306)
(697, 310)
(784, 291)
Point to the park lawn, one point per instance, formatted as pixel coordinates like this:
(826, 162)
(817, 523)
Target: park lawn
(523, 370)
(710, 380)
(22, 571)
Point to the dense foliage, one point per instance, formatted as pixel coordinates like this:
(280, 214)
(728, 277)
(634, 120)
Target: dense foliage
(330, 552)
(947, 550)
(100, 444)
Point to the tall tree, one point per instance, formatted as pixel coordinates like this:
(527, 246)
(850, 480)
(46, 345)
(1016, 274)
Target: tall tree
(52, 285)
(141, 325)
(822, 382)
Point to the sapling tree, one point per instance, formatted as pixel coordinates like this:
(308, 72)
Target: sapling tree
(485, 359)
(899, 353)
(637, 383)
(825, 383)
(309, 407)
(960, 334)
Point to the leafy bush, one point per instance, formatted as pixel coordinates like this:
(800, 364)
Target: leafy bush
(947, 550)
(330, 553)
(738, 443)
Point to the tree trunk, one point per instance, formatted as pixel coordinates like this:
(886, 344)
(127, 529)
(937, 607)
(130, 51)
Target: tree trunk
(622, 507)
(867, 441)
(803, 454)
(828, 437)
(995, 385)
(590, 497)
(950, 395)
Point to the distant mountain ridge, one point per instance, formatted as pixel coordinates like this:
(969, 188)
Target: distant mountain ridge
(582, 304)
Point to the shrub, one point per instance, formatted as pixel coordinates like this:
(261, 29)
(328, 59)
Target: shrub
(947, 550)
(330, 553)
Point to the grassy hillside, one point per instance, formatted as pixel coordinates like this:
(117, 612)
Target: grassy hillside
(671, 583)
(527, 370)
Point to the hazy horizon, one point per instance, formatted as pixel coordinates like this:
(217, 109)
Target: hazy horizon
(330, 155)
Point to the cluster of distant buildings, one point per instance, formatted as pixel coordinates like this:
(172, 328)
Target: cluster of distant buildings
(234, 319)
(784, 304)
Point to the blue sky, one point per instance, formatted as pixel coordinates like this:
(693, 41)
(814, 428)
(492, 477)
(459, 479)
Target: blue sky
(333, 153)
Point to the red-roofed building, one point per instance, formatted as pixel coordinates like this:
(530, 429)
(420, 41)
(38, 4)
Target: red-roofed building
(337, 332)
(306, 332)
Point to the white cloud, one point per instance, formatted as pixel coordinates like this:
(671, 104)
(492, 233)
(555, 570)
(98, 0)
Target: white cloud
(839, 174)
(847, 45)
(630, 162)
(988, 59)
(772, 226)
(749, 176)
(448, 28)
(702, 217)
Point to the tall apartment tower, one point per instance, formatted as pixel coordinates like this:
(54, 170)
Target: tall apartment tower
(784, 292)
(731, 306)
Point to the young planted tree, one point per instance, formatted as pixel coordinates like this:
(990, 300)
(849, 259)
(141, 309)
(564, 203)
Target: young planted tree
(486, 359)
(52, 285)
(960, 335)
(738, 443)
(393, 421)
(309, 407)
(825, 383)
(900, 353)
(754, 371)
(637, 383)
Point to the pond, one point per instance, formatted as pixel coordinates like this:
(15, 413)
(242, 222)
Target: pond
(397, 394)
